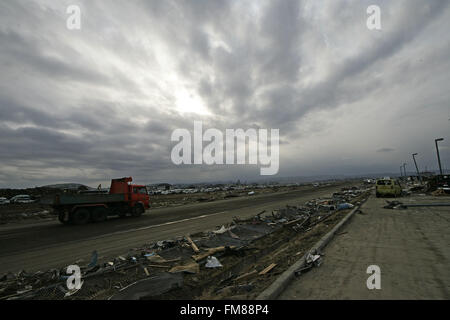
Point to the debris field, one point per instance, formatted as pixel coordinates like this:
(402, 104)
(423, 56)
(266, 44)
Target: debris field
(236, 261)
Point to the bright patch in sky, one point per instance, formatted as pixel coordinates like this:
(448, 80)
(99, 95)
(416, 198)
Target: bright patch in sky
(189, 102)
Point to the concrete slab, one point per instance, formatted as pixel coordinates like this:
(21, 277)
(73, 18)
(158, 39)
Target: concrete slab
(411, 247)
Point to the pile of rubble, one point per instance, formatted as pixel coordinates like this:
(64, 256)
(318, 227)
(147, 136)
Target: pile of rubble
(20, 212)
(157, 268)
(395, 205)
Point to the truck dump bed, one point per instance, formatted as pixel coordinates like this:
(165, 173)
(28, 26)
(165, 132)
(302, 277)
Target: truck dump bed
(74, 199)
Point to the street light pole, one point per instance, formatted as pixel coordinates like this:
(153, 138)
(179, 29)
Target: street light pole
(437, 150)
(417, 168)
(401, 172)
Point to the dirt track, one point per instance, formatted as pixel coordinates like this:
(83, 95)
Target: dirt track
(411, 247)
(46, 245)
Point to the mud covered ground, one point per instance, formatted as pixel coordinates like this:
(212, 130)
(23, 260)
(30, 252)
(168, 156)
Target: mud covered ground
(25, 212)
(282, 247)
(159, 201)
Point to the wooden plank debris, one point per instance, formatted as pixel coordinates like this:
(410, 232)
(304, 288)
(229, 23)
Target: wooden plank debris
(268, 269)
(157, 266)
(246, 275)
(193, 245)
(189, 267)
(210, 252)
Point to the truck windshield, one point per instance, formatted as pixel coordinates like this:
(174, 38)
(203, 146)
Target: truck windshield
(140, 190)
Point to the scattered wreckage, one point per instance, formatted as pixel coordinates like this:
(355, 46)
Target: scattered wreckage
(224, 258)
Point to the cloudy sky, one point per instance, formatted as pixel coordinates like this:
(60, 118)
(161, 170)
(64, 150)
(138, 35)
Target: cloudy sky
(101, 102)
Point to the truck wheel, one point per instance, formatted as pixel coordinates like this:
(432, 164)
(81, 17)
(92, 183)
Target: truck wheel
(137, 211)
(81, 216)
(122, 215)
(99, 214)
(118, 212)
(61, 217)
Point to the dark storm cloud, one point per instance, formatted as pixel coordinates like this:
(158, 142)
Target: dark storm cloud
(103, 101)
(385, 150)
(14, 111)
(15, 47)
(332, 91)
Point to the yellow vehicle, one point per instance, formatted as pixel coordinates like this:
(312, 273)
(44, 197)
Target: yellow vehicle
(388, 187)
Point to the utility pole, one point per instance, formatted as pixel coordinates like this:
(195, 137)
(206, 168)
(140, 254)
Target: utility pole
(404, 169)
(417, 168)
(437, 150)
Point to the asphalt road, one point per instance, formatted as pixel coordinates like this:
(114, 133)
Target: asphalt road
(411, 247)
(41, 246)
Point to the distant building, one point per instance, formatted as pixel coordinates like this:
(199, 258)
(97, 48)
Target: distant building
(163, 186)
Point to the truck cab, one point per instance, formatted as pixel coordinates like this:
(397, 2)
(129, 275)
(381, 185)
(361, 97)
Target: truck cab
(136, 195)
(140, 195)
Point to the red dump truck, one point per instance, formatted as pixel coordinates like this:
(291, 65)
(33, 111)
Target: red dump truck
(123, 198)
